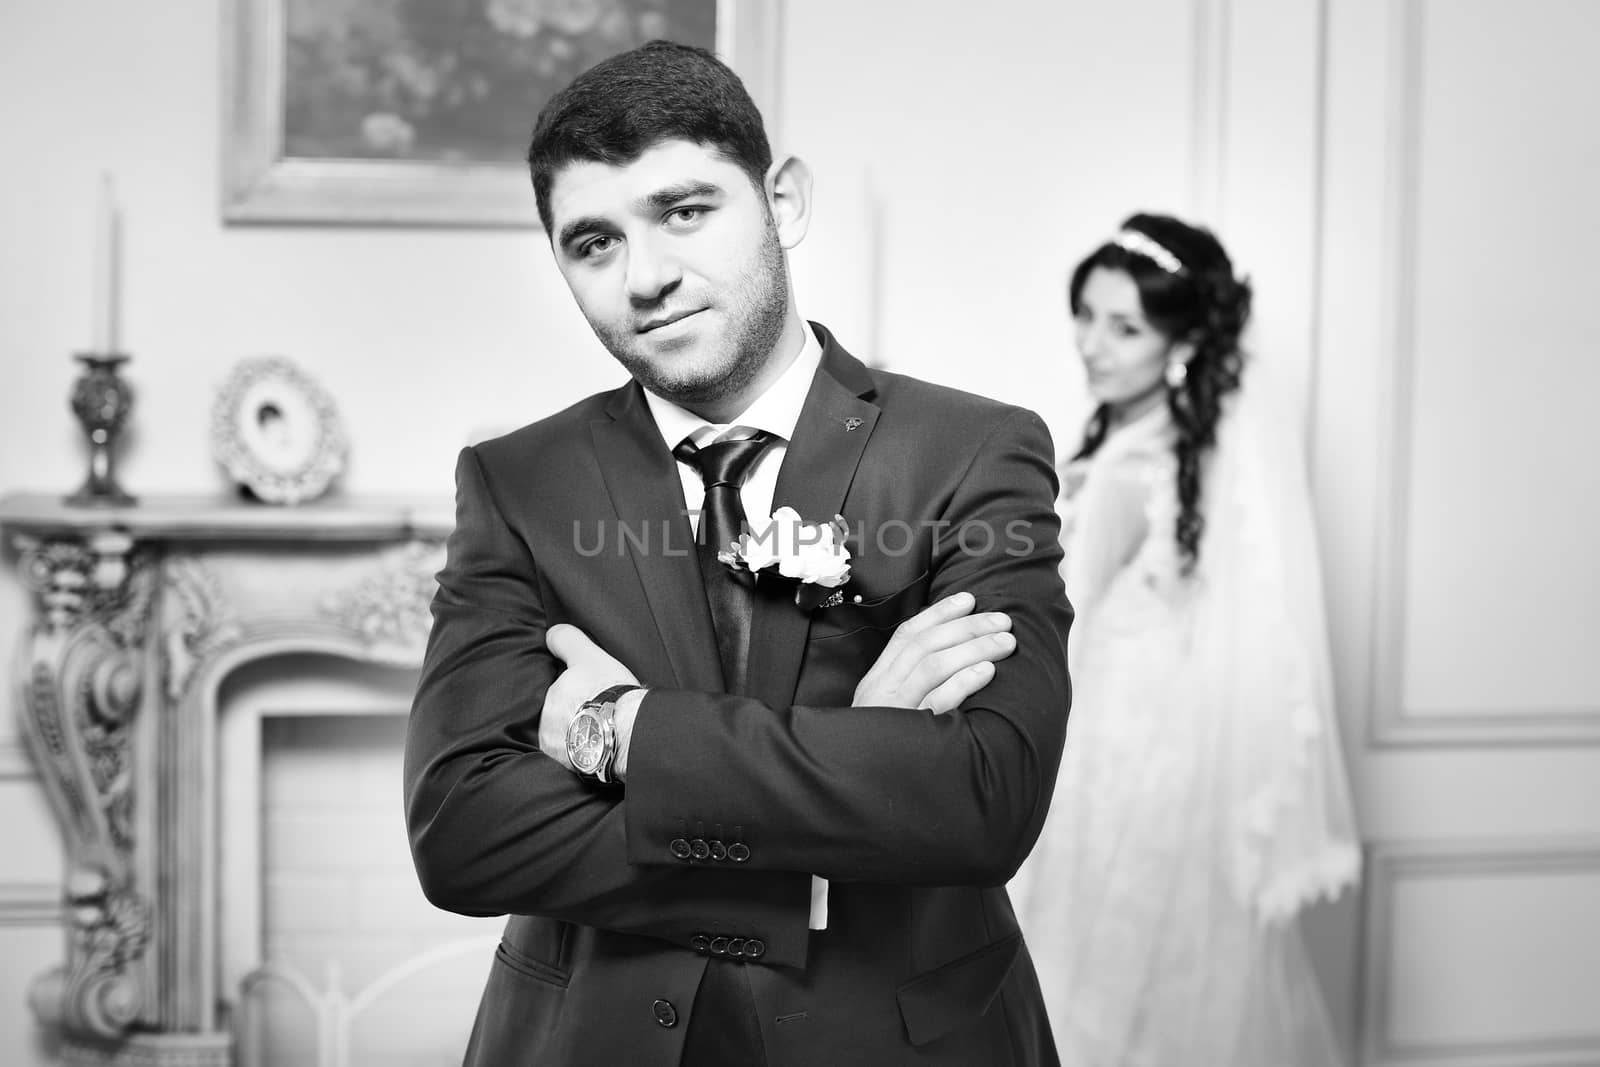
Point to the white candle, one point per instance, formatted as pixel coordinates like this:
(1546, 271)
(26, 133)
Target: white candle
(107, 270)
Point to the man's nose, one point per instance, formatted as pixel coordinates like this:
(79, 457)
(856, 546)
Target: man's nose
(653, 272)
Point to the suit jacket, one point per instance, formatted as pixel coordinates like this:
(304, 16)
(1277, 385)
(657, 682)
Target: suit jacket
(732, 801)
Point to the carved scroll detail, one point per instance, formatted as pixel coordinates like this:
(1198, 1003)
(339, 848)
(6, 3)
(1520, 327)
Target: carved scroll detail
(82, 690)
(96, 992)
(198, 623)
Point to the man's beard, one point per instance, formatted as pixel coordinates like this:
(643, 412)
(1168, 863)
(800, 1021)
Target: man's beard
(754, 311)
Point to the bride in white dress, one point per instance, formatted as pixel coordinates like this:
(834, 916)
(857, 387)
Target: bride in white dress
(1202, 798)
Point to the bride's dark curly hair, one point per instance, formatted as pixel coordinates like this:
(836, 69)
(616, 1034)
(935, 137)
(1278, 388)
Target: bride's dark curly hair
(1202, 303)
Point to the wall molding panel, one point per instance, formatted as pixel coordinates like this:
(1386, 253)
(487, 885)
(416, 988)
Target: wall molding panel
(1440, 880)
(14, 762)
(1392, 722)
(1209, 106)
(29, 904)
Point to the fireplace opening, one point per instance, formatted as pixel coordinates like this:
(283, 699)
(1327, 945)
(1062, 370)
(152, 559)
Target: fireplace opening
(330, 954)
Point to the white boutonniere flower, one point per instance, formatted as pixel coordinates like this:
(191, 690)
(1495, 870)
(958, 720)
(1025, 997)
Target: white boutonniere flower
(812, 553)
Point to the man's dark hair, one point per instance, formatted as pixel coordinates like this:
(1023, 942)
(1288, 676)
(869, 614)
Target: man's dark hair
(620, 107)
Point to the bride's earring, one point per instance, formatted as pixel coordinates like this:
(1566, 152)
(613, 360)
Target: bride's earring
(1177, 374)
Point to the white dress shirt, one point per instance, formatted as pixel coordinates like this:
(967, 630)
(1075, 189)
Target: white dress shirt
(777, 411)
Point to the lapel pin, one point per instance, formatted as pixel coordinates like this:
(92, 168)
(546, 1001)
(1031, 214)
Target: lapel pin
(851, 423)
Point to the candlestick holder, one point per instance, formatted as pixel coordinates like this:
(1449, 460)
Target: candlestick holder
(101, 400)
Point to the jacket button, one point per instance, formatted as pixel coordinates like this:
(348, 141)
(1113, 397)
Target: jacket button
(719, 946)
(700, 943)
(699, 849)
(666, 1014)
(738, 852)
(755, 948)
(680, 848)
(719, 851)
(736, 948)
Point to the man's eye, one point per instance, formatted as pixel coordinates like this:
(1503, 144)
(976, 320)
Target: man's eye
(686, 214)
(595, 246)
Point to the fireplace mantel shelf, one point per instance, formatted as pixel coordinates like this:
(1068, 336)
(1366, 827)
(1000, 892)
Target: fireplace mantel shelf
(214, 516)
(141, 612)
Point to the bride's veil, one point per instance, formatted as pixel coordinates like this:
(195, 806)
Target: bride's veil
(1261, 648)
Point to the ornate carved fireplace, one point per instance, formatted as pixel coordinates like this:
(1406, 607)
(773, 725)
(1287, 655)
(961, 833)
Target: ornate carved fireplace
(142, 613)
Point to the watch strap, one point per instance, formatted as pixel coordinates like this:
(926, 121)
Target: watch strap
(612, 694)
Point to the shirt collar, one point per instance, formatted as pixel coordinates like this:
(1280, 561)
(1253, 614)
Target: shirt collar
(777, 411)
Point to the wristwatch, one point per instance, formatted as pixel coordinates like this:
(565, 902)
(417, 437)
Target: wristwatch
(592, 736)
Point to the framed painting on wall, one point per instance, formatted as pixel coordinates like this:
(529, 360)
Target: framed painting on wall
(418, 112)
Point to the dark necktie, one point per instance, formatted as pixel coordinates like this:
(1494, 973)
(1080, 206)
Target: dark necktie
(723, 466)
(724, 1028)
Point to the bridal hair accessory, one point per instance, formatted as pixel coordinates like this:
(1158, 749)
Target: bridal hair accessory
(812, 552)
(1141, 245)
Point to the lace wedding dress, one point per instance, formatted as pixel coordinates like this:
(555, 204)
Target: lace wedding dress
(1202, 799)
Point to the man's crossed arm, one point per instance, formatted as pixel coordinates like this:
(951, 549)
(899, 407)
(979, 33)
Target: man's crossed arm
(935, 660)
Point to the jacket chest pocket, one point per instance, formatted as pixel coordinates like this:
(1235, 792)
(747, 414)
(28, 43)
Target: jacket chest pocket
(864, 610)
(846, 639)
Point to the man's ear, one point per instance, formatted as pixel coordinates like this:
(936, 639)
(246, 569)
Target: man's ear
(788, 189)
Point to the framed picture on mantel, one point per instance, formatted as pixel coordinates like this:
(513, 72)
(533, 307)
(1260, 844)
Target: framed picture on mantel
(418, 112)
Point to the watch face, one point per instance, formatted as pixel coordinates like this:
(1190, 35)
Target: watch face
(585, 742)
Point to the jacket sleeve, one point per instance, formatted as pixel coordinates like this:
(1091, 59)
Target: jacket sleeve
(880, 794)
(495, 825)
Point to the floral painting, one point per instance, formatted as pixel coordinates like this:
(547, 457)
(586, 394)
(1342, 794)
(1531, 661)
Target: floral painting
(418, 112)
(452, 80)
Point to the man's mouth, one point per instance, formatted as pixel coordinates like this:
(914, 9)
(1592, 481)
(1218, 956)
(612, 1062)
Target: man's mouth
(667, 320)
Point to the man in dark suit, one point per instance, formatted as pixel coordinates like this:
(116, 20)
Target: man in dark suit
(739, 814)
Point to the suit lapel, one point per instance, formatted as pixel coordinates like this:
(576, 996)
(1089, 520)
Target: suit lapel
(821, 462)
(642, 480)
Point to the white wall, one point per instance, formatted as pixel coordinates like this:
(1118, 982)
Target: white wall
(965, 156)
(1457, 501)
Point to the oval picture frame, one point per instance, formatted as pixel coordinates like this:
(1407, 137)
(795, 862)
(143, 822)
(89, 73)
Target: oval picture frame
(276, 432)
